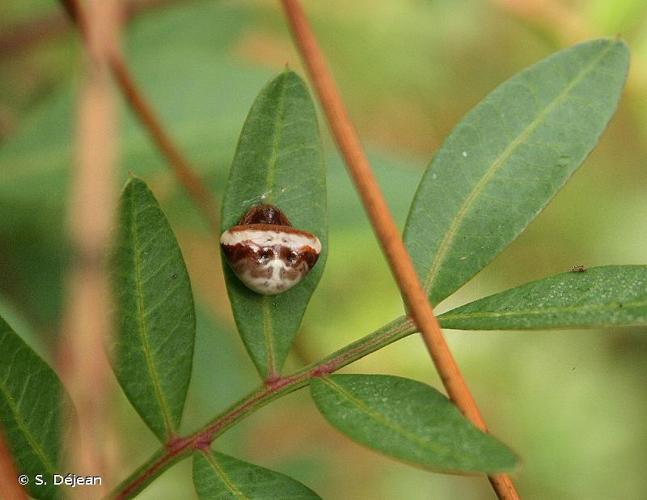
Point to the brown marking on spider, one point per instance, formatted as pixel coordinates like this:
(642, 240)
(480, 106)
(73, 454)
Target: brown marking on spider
(266, 253)
(264, 214)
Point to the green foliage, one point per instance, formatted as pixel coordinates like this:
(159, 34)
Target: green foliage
(33, 408)
(155, 317)
(598, 297)
(279, 161)
(410, 421)
(495, 173)
(217, 476)
(507, 158)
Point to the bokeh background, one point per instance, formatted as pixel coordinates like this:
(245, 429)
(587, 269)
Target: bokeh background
(573, 404)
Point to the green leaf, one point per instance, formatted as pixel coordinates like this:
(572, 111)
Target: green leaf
(155, 317)
(33, 406)
(279, 161)
(409, 421)
(598, 297)
(218, 476)
(507, 158)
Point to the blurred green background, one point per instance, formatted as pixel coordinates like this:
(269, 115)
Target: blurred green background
(573, 404)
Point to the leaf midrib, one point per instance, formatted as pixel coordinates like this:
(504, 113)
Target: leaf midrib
(268, 332)
(229, 484)
(22, 425)
(547, 310)
(143, 326)
(380, 419)
(445, 244)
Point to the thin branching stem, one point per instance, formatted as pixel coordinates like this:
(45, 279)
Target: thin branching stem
(384, 225)
(381, 220)
(185, 174)
(180, 448)
(183, 171)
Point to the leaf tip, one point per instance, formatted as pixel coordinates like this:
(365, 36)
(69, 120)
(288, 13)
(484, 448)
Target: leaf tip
(134, 183)
(616, 42)
(290, 76)
(619, 41)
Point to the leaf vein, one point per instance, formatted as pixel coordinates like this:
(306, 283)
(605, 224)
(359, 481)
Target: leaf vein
(499, 162)
(380, 419)
(546, 310)
(22, 426)
(143, 329)
(229, 484)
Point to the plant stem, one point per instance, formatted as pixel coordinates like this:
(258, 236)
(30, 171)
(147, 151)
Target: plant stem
(181, 168)
(9, 487)
(181, 447)
(384, 225)
(183, 172)
(83, 366)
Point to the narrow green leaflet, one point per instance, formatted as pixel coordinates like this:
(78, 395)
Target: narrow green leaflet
(507, 158)
(155, 317)
(279, 161)
(409, 421)
(220, 477)
(597, 297)
(34, 410)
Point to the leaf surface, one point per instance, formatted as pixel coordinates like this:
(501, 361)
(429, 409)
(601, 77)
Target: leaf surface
(599, 297)
(507, 158)
(409, 421)
(279, 161)
(218, 476)
(155, 316)
(33, 409)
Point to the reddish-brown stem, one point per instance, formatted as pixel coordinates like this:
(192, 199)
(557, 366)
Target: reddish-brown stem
(10, 489)
(384, 225)
(184, 173)
(269, 391)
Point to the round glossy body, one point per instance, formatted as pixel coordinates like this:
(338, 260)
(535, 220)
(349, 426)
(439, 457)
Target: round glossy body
(266, 253)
